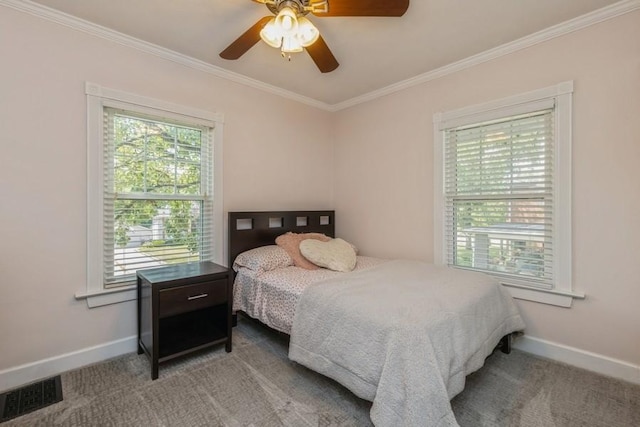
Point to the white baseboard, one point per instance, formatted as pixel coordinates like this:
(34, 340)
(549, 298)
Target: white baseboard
(30, 372)
(580, 358)
(25, 374)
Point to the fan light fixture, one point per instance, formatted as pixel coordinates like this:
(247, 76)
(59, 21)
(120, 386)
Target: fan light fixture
(289, 32)
(287, 28)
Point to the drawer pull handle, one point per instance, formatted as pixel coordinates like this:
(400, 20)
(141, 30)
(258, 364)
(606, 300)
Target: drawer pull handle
(197, 297)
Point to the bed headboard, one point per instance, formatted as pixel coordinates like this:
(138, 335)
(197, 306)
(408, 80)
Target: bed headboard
(248, 230)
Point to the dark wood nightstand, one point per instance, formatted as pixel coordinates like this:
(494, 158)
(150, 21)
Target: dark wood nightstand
(182, 309)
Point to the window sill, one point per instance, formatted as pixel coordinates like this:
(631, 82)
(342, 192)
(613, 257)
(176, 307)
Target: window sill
(108, 296)
(544, 296)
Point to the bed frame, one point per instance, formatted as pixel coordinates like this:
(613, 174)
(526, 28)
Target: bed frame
(248, 230)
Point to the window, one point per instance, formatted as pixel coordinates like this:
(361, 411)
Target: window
(503, 192)
(154, 180)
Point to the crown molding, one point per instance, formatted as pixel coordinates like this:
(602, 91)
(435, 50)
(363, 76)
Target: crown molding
(91, 28)
(595, 17)
(592, 18)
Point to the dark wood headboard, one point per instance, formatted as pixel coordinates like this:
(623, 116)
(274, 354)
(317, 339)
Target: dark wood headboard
(248, 230)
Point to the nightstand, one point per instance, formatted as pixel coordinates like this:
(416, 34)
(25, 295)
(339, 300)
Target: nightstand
(182, 309)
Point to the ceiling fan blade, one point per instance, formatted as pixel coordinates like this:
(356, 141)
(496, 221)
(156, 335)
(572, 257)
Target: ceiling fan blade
(246, 41)
(365, 8)
(322, 56)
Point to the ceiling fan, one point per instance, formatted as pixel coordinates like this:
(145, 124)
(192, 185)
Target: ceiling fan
(291, 31)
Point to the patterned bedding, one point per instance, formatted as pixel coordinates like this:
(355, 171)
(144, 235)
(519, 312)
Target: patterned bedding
(272, 296)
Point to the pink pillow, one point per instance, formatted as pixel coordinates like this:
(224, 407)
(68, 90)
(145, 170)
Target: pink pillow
(290, 242)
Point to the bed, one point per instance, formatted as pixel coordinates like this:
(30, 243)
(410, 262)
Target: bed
(402, 334)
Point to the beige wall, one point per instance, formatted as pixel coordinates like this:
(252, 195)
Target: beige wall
(43, 69)
(384, 175)
(378, 175)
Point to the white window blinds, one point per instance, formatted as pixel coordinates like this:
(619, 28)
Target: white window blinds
(158, 194)
(498, 196)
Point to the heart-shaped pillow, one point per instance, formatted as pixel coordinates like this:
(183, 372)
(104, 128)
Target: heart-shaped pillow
(336, 254)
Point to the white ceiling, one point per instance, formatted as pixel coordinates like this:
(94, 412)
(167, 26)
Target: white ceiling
(373, 52)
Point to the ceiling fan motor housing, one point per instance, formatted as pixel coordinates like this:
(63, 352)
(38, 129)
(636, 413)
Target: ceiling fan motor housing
(301, 7)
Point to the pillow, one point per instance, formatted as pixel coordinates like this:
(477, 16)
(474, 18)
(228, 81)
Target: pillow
(264, 258)
(335, 254)
(290, 242)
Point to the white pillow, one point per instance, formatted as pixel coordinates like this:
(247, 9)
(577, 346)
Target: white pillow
(336, 254)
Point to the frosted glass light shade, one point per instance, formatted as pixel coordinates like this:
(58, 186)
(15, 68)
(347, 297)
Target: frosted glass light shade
(307, 32)
(291, 45)
(270, 34)
(287, 22)
(289, 32)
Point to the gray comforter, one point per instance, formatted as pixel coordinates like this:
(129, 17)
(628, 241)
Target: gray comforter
(403, 335)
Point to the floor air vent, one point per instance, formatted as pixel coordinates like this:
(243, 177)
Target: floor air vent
(30, 398)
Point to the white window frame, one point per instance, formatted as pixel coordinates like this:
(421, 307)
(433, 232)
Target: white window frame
(98, 98)
(562, 293)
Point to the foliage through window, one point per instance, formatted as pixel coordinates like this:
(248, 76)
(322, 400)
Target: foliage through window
(154, 189)
(157, 194)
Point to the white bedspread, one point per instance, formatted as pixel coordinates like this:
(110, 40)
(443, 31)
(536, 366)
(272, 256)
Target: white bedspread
(403, 335)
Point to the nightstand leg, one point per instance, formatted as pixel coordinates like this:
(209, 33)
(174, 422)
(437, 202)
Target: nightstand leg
(154, 370)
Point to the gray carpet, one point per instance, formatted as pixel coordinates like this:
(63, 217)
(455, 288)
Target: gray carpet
(256, 385)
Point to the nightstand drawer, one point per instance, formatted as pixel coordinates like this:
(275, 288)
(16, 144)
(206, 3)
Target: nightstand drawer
(187, 298)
